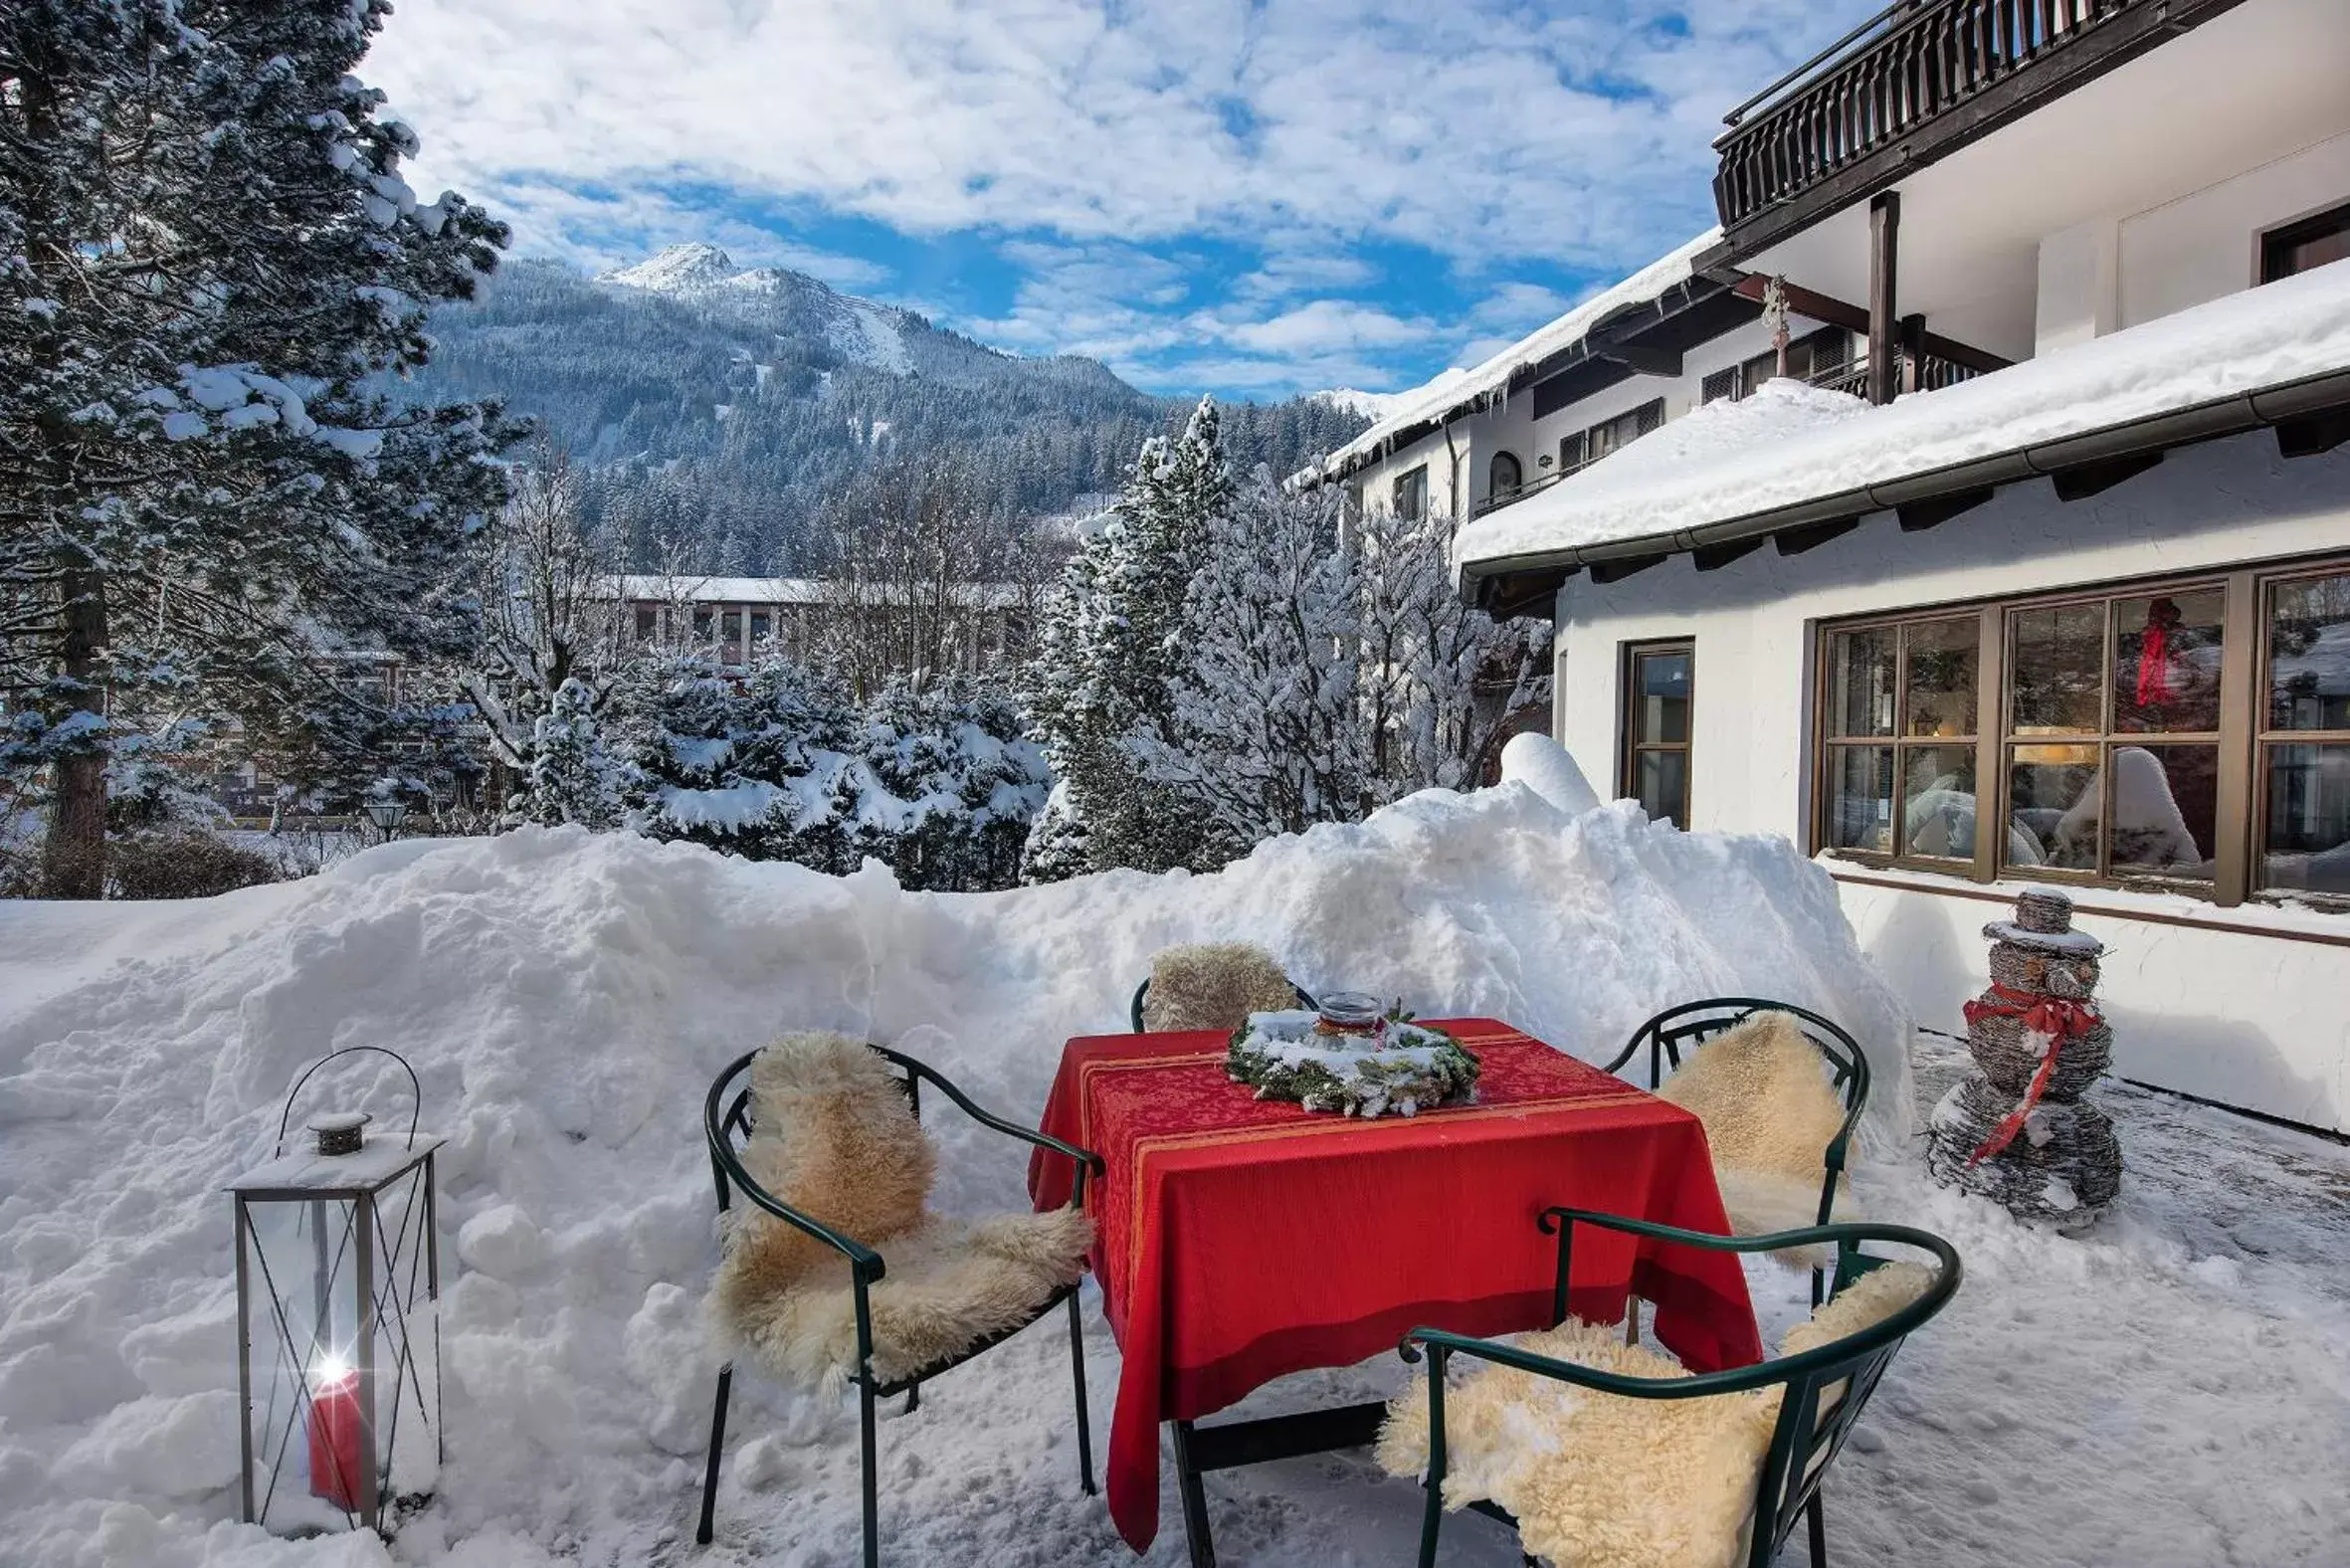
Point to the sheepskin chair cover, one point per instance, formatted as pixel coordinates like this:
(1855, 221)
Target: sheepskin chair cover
(1762, 1089)
(1214, 985)
(833, 1138)
(1605, 1480)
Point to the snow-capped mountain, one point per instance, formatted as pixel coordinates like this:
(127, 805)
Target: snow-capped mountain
(1376, 406)
(746, 396)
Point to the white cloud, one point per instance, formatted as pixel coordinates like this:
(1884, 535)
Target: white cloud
(1477, 128)
(1089, 136)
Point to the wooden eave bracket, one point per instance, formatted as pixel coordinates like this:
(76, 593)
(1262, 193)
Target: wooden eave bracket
(2091, 479)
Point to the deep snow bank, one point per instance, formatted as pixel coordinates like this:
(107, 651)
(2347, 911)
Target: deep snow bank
(566, 999)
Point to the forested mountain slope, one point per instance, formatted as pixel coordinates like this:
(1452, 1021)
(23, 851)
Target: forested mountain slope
(718, 407)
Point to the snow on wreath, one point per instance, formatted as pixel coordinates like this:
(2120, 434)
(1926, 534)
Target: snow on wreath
(1364, 1065)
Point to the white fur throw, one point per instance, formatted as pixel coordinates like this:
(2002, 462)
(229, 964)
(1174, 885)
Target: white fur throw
(1214, 985)
(1604, 1481)
(1761, 1088)
(833, 1138)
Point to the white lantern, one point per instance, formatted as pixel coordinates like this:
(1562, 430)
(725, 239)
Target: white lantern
(338, 1284)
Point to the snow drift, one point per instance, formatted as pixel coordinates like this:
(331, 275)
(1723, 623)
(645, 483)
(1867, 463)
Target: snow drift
(566, 999)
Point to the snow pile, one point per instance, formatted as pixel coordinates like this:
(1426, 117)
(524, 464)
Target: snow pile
(1788, 445)
(2174, 1391)
(566, 999)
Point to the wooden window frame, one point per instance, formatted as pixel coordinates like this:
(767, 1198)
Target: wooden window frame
(2275, 242)
(1579, 441)
(1395, 492)
(1630, 745)
(2242, 739)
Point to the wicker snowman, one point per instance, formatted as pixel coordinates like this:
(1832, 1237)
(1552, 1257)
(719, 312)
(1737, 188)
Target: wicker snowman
(2015, 1129)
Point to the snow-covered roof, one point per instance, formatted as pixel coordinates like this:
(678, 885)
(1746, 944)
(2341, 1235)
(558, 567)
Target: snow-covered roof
(1728, 467)
(790, 590)
(1455, 391)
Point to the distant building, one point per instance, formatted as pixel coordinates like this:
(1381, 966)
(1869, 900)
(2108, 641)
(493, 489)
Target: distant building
(962, 628)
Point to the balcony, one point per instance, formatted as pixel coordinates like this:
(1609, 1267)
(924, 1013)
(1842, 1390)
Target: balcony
(1848, 376)
(1914, 81)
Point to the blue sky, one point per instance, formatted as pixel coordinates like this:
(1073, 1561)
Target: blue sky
(1250, 197)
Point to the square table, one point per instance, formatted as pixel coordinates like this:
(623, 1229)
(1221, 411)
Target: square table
(1242, 1240)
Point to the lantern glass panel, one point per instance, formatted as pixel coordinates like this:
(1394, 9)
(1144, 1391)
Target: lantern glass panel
(338, 1279)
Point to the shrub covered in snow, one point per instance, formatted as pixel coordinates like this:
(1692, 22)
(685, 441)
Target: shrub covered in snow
(936, 782)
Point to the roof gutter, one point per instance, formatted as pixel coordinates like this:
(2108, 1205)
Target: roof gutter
(2149, 433)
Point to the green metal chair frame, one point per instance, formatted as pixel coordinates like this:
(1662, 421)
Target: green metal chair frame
(1693, 1023)
(1802, 1445)
(1143, 990)
(722, 1125)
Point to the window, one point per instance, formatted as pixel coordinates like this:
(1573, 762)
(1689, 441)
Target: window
(760, 626)
(1586, 447)
(1900, 706)
(2298, 247)
(2303, 777)
(1820, 356)
(1503, 476)
(647, 618)
(1411, 495)
(1658, 683)
(2192, 735)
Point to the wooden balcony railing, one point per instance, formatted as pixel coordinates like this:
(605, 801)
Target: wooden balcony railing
(1911, 63)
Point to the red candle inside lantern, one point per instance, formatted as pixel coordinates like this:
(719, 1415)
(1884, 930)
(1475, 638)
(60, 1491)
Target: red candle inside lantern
(336, 1449)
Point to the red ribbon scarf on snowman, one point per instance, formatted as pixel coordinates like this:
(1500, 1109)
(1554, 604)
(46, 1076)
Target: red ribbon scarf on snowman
(2048, 1021)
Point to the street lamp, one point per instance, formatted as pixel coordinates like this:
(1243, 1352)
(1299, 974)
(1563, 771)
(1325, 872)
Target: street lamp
(387, 812)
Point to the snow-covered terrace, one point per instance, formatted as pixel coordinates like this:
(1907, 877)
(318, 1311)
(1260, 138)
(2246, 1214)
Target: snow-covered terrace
(1792, 455)
(1457, 393)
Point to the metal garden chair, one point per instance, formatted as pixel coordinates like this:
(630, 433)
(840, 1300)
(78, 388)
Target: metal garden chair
(1815, 1416)
(1142, 991)
(1693, 1023)
(727, 1124)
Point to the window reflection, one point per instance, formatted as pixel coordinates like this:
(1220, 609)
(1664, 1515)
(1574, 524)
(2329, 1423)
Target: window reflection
(1938, 802)
(2308, 838)
(1938, 683)
(1860, 798)
(2166, 662)
(2053, 794)
(1861, 683)
(2058, 669)
(2310, 654)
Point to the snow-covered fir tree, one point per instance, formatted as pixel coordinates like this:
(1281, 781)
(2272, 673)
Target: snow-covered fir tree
(938, 782)
(1267, 732)
(207, 260)
(1441, 681)
(572, 778)
(1110, 647)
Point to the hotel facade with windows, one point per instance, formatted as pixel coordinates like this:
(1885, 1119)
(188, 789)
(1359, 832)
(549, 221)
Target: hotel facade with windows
(1973, 507)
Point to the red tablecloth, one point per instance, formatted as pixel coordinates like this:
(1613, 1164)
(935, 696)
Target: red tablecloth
(1243, 1240)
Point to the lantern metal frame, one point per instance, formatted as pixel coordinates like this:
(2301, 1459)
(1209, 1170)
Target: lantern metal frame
(380, 1306)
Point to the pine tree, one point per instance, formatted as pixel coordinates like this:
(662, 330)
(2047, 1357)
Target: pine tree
(1265, 733)
(572, 777)
(1111, 645)
(207, 259)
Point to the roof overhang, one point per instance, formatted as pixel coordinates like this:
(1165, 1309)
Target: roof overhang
(1636, 333)
(2310, 415)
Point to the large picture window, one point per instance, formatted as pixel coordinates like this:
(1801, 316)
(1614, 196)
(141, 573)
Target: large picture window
(1660, 680)
(2192, 735)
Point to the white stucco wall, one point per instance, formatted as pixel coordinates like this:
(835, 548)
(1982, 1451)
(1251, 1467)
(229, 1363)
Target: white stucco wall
(2224, 503)
(2206, 243)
